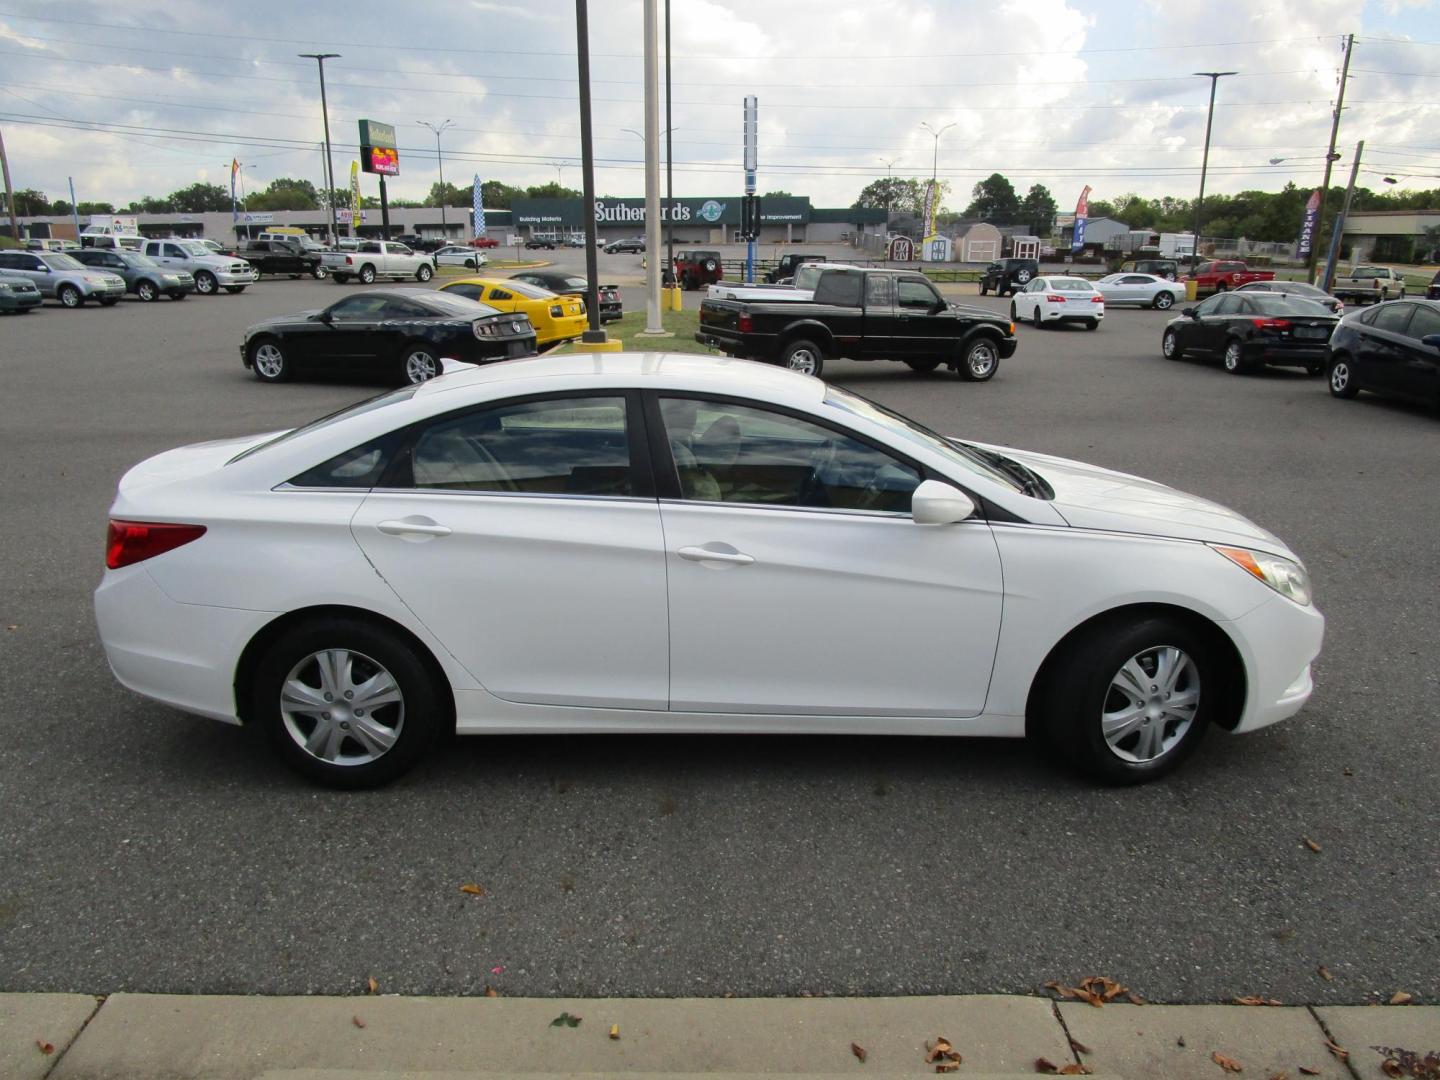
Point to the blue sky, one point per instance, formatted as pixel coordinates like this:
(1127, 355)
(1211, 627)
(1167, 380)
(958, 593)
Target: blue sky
(135, 101)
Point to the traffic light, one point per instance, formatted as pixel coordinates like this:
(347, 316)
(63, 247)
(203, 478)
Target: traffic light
(750, 217)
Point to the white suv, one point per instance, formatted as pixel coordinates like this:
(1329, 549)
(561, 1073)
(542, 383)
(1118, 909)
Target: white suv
(211, 271)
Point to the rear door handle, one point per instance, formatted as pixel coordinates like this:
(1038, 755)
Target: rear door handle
(413, 527)
(703, 554)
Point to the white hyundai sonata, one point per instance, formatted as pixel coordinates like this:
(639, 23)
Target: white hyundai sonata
(653, 543)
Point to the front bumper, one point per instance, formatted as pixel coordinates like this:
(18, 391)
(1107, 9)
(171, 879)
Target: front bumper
(1278, 642)
(236, 277)
(20, 301)
(105, 291)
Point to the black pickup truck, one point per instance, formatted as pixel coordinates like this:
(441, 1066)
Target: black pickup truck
(862, 315)
(279, 257)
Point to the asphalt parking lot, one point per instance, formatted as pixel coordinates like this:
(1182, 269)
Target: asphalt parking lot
(141, 849)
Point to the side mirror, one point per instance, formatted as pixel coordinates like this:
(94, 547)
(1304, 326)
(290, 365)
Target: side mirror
(325, 317)
(1433, 340)
(1190, 313)
(937, 503)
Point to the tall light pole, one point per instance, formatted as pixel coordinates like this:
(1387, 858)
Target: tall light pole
(320, 59)
(1214, 77)
(653, 324)
(558, 166)
(935, 161)
(440, 164)
(595, 335)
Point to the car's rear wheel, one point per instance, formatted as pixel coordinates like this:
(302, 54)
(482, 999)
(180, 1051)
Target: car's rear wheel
(346, 704)
(147, 291)
(1170, 345)
(1341, 377)
(424, 273)
(1036, 318)
(1013, 317)
(205, 283)
(109, 301)
(981, 361)
(319, 273)
(1234, 359)
(1092, 324)
(985, 291)
(341, 279)
(367, 275)
(922, 367)
(420, 364)
(268, 360)
(70, 296)
(1164, 301)
(804, 357)
(1131, 703)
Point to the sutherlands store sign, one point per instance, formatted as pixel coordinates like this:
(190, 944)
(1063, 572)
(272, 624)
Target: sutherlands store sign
(570, 213)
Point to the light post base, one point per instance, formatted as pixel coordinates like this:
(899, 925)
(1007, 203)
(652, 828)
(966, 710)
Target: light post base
(597, 341)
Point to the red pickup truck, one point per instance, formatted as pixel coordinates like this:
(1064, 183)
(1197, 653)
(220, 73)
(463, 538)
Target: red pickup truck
(1218, 275)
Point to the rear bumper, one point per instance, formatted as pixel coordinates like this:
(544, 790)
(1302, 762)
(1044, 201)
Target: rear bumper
(1288, 356)
(1069, 316)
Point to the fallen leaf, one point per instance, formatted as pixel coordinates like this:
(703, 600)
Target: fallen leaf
(1339, 1051)
(1309, 1070)
(490, 991)
(44, 1047)
(947, 1067)
(614, 1031)
(859, 1052)
(566, 1020)
(1391, 1067)
(1135, 999)
(1255, 999)
(1045, 1065)
(1400, 997)
(357, 1021)
(1226, 1063)
(941, 1048)
(372, 985)
(1079, 1047)
(1311, 844)
(1103, 988)
(1077, 1070)
(473, 890)
(1278, 1076)
(1064, 991)
(1324, 973)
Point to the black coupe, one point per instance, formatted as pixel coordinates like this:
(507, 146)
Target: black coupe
(1249, 330)
(398, 333)
(563, 284)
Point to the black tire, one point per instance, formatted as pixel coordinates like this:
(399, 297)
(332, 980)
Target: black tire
(1163, 301)
(1170, 347)
(710, 266)
(418, 363)
(425, 272)
(984, 289)
(340, 279)
(178, 295)
(367, 275)
(922, 367)
(1220, 286)
(1314, 369)
(275, 367)
(1233, 358)
(981, 359)
(109, 301)
(1014, 315)
(414, 721)
(1068, 709)
(319, 273)
(147, 291)
(70, 296)
(1346, 386)
(205, 283)
(470, 264)
(803, 356)
(234, 289)
(1036, 318)
(1092, 324)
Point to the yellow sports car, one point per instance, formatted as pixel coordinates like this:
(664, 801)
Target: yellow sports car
(555, 317)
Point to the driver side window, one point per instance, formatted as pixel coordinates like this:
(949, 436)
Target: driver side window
(725, 452)
(915, 293)
(358, 308)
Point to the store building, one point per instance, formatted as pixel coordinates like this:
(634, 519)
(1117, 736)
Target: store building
(783, 219)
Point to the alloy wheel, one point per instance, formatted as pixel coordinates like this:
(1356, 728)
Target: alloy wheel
(342, 707)
(1151, 704)
(420, 366)
(1340, 377)
(981, 360)
(270, 361)
(1233, 357)
(803, 361)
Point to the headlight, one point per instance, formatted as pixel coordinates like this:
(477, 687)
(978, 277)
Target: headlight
(4, 287)
(1287, 578)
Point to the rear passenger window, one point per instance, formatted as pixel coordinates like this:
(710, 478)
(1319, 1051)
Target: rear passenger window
(360, 467)
(470, 292)
(879, 291)
(1393, 317)
(561, 446)
(1424, 322)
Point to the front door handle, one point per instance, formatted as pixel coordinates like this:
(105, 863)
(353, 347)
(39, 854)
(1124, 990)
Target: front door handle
(704, 554)
(413, 526)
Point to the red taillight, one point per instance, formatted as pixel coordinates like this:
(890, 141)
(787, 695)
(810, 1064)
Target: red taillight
(1097, 299)
(135, 541)
(349, 261)
(746, 324)
(1052, 298)
(1271, 324)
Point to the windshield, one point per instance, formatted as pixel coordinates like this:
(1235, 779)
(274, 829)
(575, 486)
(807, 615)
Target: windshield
(391, 397)
(194, 247)
(452, 304)
(907, 432)
(57, 261)
(575, 283)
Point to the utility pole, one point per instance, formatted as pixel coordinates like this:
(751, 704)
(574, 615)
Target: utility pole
(1340, 219)
(9, 191)
(1214, 77)
(595, 335)
(669, 158)
(653, 323)
(1331, 156)
(440, 164)
(320, 59)
(74, 208)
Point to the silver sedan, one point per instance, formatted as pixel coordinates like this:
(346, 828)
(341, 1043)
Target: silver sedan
(455, 255)
(1146, 290)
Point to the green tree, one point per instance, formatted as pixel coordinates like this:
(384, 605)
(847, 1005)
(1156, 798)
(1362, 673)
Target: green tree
(994, 199)
(451, 195)
(30, 203)
(497, 196)
(1038, 210)
(900, 194)
(284, 193)
(85, 209)
(199, 198)
(551, 190)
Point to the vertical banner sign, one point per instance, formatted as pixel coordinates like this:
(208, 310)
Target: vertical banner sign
(234, 171)
(931, 207)
(1307, 225)
(478, 206)
(1082, 211)
(752, 163)
(354, 198)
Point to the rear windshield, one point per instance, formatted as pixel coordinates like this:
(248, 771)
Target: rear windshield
(530, 292)
(1280, 304)
(1071, 284)
(392, 397)
(454, 304)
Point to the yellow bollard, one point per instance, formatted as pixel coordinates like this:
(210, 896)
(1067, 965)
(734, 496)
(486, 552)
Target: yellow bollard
(1191, 289)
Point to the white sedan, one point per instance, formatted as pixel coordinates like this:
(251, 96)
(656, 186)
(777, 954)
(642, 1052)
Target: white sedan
(1057, 300)
(658, 543)
(1146, 290)
(454, 255)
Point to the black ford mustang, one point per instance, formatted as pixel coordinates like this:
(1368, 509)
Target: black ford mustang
(563, 284)
(401, 333)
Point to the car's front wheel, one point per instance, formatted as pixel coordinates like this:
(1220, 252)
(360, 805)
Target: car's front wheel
(804, 357)
(981, 360)
(319, 273)
(205, 283)
(147, 291)
(346, 703)
(1131, 703)
(70, 296)
(268, 360)
(1170, 345)
(1341, 377)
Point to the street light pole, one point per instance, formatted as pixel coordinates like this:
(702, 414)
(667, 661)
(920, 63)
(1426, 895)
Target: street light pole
(1214, 77)
(935, 161)
(440, 164)
(669, 157)
(320, 59)
(594, 335)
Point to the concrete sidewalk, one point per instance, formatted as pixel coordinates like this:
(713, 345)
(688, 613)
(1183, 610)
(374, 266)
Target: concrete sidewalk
(145, 1037)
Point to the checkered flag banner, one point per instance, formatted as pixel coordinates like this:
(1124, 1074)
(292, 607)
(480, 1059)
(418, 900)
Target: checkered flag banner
(479, 208)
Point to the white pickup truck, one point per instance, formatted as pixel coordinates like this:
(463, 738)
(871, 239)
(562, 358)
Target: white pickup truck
(803, 289)
(1370, 284)
(373, 259)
